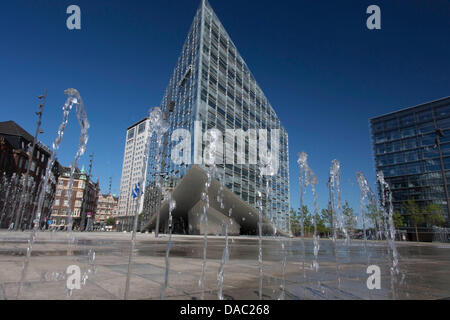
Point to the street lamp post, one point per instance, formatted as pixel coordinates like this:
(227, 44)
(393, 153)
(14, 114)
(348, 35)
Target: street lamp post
(83, 225)
(19, 216)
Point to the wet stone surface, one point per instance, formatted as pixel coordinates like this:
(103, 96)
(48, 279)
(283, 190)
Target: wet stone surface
(424, 268)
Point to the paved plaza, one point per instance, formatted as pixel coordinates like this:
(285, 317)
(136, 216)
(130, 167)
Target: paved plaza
(103, 261)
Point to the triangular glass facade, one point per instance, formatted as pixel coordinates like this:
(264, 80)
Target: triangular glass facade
(212, 84)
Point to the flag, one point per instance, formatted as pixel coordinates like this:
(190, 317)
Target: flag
(136, 190)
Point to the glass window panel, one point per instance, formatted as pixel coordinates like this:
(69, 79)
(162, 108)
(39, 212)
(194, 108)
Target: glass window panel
(397, 146)
(389, 147)
(389, 159)
(408, 132)
(380, 149)
(429, 153)
(447, 163)
(425, 115)
(392, 135)
(410, 143)
(411, 156)
(399, 158)
(413, 168)
(380, 161)
(446, 137)
(428, 140)
(426, 127)
(443, 111)
(391, 124)
(433, 165)
(445, 149)
(379, 137)
(444, 123)
(407, 120)
(141, 128)
(378, 126)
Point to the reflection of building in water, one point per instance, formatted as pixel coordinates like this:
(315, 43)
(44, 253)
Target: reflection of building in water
(212, 84)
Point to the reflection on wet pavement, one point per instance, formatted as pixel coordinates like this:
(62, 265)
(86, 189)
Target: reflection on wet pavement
(424, 268)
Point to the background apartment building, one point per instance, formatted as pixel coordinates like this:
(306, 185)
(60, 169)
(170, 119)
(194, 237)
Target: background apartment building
(15, 149)
(83, 200)
(133, 164)
(412, 149)
(106, 208)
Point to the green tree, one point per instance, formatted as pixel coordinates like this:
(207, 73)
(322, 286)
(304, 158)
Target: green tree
(110, 222)
(307, 219)
(412, 209)
(398, 220)
(433, 215)
(375, 215)
(321, 225)
(327, 217)
(295, 222)
(349, 217)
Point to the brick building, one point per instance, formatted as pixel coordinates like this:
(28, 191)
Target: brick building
(84, 200)
(107, 208)
(15, 146)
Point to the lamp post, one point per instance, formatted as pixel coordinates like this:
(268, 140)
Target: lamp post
(83, 225)
(39, 113)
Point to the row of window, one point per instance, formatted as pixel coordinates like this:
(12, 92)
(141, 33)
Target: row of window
(427, 141)
(422, 129)
(414, 155)
(416, 167)
(413, 117)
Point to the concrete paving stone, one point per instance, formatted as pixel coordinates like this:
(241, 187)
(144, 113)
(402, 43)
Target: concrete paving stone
(140, 288)
(55, 290)
(425, 266)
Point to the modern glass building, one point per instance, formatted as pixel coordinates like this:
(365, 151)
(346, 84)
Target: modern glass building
(212, 84)
(412, 148)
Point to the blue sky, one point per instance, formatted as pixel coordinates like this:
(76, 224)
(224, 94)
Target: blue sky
(323, 71)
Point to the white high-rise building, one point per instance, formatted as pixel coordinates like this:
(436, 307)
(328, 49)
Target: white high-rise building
(133, 162)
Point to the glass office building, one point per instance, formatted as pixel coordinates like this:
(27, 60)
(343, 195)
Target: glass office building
(212, 84)
(412, 148)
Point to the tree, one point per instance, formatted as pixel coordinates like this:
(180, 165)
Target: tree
(327, 218)
(433, 215)
(110, 222)
(349, 217)
(295, 222)
(398, 220)
(375, 215)
(307, 220)
(321, 225)
(412, 209)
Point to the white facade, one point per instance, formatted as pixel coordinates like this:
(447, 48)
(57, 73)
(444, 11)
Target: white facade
(132, 167)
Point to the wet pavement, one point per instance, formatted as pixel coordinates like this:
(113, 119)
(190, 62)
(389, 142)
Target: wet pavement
(103, 262)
